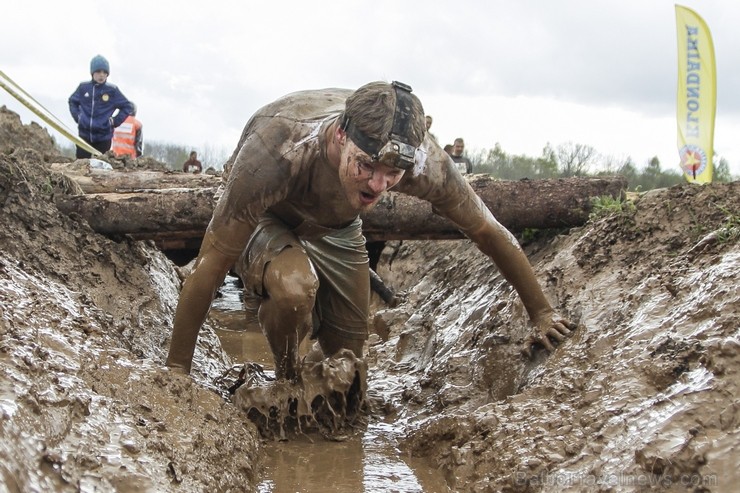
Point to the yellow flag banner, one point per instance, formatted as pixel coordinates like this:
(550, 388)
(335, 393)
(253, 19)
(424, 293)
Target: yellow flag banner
(697, 96)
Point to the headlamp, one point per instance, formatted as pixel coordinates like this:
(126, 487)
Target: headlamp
(396, 151)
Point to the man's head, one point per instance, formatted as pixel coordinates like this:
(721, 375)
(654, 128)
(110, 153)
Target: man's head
(386, 121)
(378, 134)
(459, 147)
(428, 121)
(99, 68)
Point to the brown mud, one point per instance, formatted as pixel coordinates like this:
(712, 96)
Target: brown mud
(642, 397)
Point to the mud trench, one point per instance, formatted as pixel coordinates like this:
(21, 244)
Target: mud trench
(641, 397)
(364, 456)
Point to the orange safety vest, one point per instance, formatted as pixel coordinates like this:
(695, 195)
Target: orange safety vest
(124, 137)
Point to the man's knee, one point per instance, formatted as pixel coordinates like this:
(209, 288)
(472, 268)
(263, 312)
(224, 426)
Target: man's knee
(290, 280)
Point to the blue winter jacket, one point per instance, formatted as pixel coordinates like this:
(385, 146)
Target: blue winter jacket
(92, 105)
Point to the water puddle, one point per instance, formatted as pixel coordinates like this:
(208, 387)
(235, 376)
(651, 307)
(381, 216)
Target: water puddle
(367, 462)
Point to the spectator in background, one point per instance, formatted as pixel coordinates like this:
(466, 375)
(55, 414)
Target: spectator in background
(428, 122)
(463, 164)
(448, 149)
(192, 165)
(93, 106)
(128, 138)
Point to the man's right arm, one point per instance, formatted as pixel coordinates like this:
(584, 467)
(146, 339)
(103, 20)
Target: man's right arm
(233, 222)
(196, 296)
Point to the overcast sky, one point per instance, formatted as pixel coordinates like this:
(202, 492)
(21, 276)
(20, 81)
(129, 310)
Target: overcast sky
(521, 74)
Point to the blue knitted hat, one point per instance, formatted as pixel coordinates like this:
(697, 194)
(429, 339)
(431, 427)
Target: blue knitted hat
(99, 63)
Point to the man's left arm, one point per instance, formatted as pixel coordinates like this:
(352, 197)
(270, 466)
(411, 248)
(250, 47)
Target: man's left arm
(493, 239)
(453, 197)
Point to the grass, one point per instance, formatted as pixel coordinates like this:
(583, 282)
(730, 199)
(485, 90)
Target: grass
(606, 206)
(730, 230)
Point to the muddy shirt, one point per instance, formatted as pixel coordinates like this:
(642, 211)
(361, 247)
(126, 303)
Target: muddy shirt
(279, 166)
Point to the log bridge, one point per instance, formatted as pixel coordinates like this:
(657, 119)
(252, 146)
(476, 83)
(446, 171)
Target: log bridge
(173, 209)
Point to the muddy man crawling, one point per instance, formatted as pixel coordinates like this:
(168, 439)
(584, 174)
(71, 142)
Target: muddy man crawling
(305, 167)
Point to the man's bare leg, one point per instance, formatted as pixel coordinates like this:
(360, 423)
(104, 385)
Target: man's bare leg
(290, 283)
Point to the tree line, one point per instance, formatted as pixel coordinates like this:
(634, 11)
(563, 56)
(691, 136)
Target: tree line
(563, 161)
(572, 159)
(172, 155)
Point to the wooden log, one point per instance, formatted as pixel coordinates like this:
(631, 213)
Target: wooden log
(174, 213)
(94, 180)
(518, 205)
(180, 214)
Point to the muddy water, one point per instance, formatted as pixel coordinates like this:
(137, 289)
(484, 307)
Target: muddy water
(367, 462)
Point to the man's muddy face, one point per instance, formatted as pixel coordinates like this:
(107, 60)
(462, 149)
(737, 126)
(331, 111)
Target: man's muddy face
(363, 179)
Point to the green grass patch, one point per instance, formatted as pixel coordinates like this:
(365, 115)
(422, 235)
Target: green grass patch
(729, 232)
(606, 206)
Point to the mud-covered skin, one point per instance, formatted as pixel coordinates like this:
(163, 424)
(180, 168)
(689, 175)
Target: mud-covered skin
(294, 161)
(327, 397)
(293, 281)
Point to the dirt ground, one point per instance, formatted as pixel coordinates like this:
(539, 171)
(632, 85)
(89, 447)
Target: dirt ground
(643, 396)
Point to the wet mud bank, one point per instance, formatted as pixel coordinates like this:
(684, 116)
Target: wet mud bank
(642, 397)
(85, 404)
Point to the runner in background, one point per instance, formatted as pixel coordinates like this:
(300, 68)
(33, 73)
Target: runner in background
(192, 165)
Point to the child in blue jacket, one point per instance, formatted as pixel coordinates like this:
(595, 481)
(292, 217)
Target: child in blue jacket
(93, 106)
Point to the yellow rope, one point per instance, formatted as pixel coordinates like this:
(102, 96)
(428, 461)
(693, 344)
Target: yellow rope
(46, 115)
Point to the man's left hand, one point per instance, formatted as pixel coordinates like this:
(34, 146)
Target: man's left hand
(553, 326)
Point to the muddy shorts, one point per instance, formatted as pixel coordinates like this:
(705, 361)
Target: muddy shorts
(340, 260)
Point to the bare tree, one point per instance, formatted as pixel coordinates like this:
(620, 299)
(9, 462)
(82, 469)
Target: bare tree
(213, 156)
(611, 164)
(574, 159)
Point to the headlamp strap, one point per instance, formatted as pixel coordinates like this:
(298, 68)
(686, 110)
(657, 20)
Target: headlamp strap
(369, 146)
(402, 115)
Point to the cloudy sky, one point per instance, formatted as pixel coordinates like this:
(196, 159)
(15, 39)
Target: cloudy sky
(521, 74)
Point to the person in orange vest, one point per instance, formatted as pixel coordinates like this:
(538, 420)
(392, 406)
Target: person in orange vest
(128, 137)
